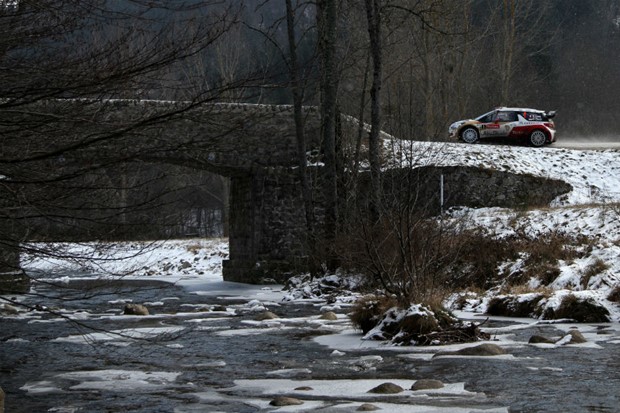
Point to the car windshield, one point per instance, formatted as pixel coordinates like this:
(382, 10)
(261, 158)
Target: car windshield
(487, 117)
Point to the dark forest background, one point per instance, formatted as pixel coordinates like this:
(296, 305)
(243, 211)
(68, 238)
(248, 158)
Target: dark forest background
(442, 60)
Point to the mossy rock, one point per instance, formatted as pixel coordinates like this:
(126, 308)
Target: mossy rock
(540, 340)
(482, 350)
(285, 401)
(387, 388)
(427, 384)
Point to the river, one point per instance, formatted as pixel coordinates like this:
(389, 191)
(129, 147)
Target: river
(201, 350)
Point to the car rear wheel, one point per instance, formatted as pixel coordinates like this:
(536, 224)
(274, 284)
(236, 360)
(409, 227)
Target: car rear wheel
(470, 135)
(538, 138)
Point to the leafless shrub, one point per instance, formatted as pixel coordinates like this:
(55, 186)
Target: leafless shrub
(408, 259)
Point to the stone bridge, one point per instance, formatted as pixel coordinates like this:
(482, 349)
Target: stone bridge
(253, 145)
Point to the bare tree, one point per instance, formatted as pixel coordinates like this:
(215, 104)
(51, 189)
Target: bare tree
(297, 89)
(81, 51)
(327, 12)
(373, 14)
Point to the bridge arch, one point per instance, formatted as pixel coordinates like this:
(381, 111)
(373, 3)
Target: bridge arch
(253, 145)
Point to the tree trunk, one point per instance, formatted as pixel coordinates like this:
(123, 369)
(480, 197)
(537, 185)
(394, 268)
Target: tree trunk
(373, 14)
(299, 121)
(326, 13)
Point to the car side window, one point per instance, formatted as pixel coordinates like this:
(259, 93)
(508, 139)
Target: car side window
(507, 116)
(533, 116)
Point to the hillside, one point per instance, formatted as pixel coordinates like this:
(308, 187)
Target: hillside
(570, 250)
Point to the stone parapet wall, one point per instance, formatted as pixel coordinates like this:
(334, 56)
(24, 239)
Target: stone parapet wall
(474, 187)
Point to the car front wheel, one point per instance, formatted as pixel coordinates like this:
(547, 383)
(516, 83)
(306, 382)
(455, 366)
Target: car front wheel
(470, 135)
(538, 138)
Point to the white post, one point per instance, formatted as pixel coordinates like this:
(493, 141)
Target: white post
(441, 193)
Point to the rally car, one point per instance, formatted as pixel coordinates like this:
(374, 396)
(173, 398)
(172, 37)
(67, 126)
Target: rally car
(534, 126)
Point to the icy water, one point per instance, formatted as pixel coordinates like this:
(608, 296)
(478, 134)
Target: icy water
(206, 353)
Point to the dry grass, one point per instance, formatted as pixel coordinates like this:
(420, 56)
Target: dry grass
(481, 256)
(194, 248)
(367, 311)
(526, 289)
(614, 295)
(592, 270)
(513, 306)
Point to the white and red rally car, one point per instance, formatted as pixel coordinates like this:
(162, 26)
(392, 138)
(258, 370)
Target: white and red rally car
(534, 126)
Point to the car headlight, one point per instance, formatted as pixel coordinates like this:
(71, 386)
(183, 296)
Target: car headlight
(455, 126)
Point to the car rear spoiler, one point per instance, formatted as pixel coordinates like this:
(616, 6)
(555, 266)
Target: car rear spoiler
(550, 114)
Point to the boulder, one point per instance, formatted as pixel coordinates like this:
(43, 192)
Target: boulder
(330, 316)
(367, 407)
(482, 350)
(576, 337)
(285, 401)
(8, 309)
(387, 388)
(135, 309)
(266, 315)
(427, 384)
(540, 340)
(184, 265)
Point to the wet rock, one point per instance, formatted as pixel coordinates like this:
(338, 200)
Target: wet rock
(427, 384)
(576, 337)
(266, 315)
(135, 309)
(304, 388)
(8, 309)
(285, 401)
(482, 350)
(367, 407)
(1, 400)
(219, 308)
(330, 316)
(540, 340)
(387, 388)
